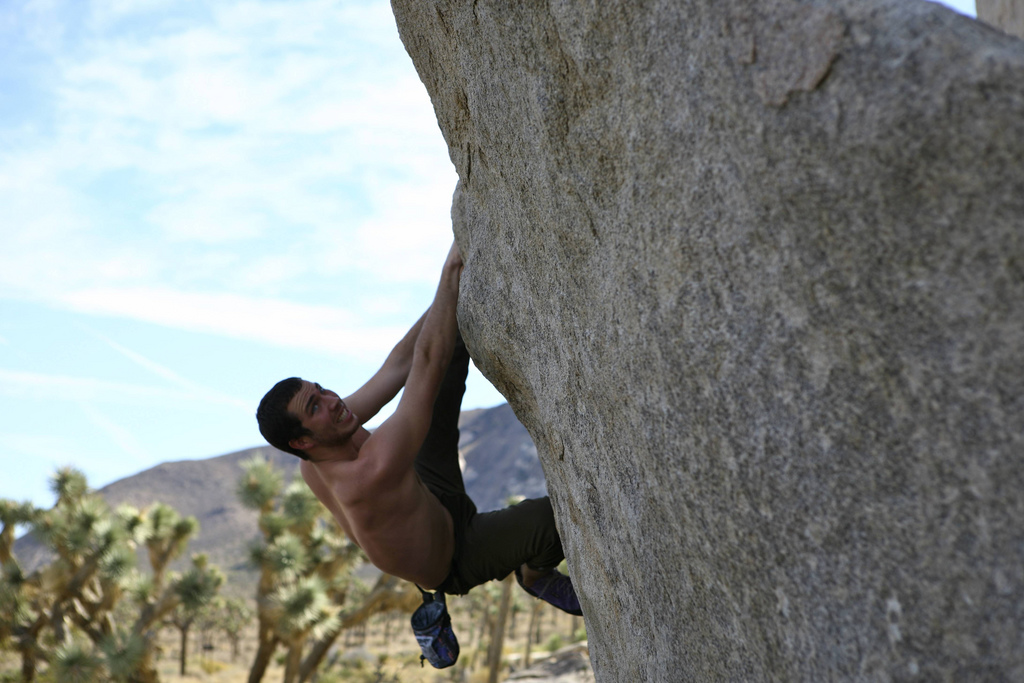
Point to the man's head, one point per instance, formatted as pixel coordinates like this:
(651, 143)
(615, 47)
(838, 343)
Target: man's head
(301, 417)
(277, 425)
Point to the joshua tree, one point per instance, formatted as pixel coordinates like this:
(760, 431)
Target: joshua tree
(258, 489)
(389, 594)
(304, 564)
(231, 616)
(64, 612)
(92, 555)
(185, 614)
(12, 515)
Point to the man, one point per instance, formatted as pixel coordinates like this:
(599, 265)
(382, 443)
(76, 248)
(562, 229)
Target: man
(398, 492)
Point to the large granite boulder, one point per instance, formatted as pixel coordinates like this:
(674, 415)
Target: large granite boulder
(752, 276)
(1005, 14)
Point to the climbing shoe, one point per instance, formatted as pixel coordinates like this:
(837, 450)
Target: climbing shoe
(555, 589)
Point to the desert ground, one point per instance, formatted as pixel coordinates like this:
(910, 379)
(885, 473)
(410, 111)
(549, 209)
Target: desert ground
(383, 650)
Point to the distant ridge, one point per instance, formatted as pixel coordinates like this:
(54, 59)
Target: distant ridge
(500, 461)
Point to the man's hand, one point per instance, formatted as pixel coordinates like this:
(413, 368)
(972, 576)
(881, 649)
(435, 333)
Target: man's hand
(395, 443)
(386, 383)
(454, 258)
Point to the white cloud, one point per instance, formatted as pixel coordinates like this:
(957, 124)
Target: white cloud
(319, 328)
(52, 450)
(244, 148)
(105, 14)
(207, 221)
(82, 390)
(116, 433)
(157, 369)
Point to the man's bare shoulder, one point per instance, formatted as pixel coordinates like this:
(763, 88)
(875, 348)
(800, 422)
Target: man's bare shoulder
(309, 472)
(340, 481)
(314, 479)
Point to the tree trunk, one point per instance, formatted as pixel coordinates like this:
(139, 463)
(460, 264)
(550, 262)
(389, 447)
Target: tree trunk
(481, 631)
(498, 633)
(533, 630)
(183, 655)
(60, 633)
(294, 662)
(268, 643)
(146, 672)
(539, 635)
(28, 665)
(513, 613)
(316, 656)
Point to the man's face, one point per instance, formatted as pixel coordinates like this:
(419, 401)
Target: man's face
(322, 412)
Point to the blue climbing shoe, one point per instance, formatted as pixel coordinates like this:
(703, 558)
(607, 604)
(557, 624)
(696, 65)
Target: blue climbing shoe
(555, 589)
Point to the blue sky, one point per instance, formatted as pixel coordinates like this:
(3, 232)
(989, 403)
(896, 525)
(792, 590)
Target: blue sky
(196, 200)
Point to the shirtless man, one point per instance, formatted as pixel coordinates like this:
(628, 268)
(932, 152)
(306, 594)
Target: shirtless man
(398, 492)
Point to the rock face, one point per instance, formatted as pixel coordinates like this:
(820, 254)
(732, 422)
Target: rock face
(752, 276)
(1005, 14)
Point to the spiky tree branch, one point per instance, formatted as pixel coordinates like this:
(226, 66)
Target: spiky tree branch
(304, 563)
(46, 614)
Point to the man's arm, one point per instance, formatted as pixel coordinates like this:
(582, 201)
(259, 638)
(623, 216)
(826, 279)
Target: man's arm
(368, 399)
(393, 446)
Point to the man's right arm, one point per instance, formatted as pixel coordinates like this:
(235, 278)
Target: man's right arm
(394, 445)
(385, 384)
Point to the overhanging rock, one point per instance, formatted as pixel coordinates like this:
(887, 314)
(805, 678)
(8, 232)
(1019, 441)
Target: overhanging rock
(752, 275)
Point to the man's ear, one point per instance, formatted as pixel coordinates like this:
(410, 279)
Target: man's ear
(303, 443)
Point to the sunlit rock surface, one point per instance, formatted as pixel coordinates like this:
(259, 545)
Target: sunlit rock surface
(1007, 15)
(752, 276)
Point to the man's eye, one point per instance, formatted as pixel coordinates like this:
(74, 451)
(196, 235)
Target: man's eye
(316, 406)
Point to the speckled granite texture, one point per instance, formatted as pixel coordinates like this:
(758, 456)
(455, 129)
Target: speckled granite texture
(752, 276)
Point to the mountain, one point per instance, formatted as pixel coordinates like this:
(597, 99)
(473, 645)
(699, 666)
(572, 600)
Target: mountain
(499, 459)
(499, 456)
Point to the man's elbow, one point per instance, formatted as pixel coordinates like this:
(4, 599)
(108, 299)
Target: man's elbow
(432, 354)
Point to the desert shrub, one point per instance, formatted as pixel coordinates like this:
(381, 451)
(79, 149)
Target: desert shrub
(356, 671)
(212, 666)
(554, 643)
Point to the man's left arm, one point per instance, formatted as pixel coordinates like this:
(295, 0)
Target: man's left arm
(385, 384)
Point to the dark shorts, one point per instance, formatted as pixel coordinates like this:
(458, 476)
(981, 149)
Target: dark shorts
(488, 545)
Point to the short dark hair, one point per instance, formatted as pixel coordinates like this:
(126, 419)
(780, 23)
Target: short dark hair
(277, 425)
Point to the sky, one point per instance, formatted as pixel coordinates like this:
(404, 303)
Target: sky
(198, 199)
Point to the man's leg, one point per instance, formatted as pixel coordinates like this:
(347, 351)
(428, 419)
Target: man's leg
(505, 541)
(494, 544)
(437, 463)
(551, 586)
(499, 542)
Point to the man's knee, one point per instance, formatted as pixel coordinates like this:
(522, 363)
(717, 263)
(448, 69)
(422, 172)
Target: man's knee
(547, 545)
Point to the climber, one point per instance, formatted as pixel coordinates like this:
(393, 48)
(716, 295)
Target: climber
(398, 492)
